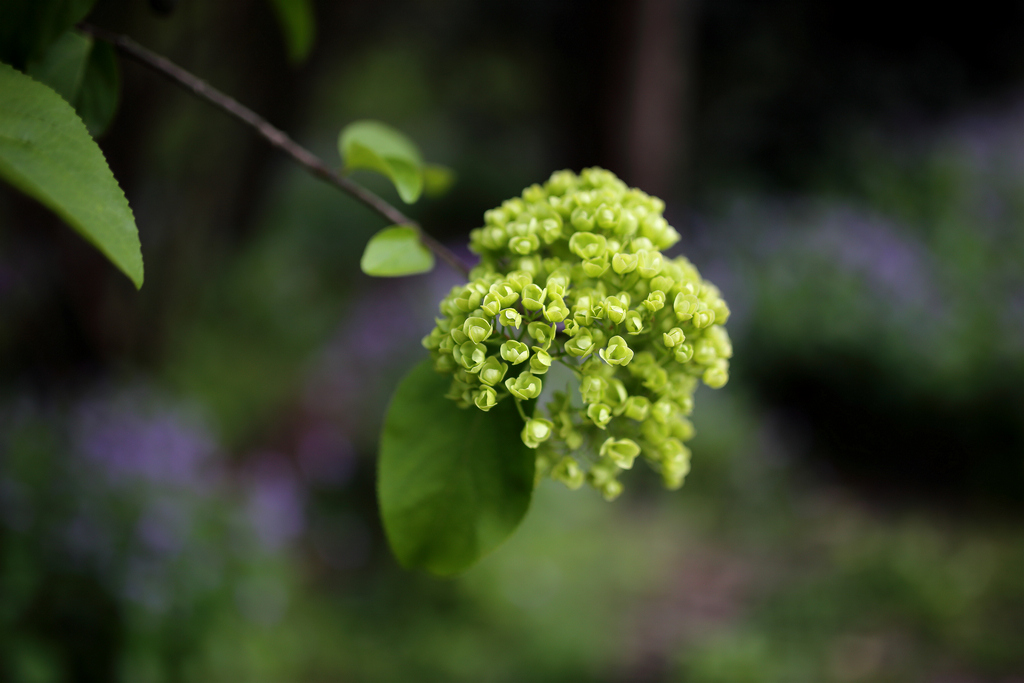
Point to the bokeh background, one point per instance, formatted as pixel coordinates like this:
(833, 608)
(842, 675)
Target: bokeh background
(187, 472)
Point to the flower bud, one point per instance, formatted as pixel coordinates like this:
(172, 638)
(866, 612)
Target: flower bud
(536, 431)
(533, 297)
(541, 333)
(685, 305)
(433, 340)
(682, 429)
(595, 267)
(477, 329)
(534, 194)
(721, 310)
(673, 338)
(614, 309)
(717, 375)
(580, 345)
(615, 394)
(491, 305)
(471, 356)
(518, 279)
(634, 323)
(683, 353)
(510, 317)
(568, 472)
(550, 229)
(662, 283)
(468, 300)
(592, 388)
(540, 361)
(588, 245)
(656, 379)
(486, 398)
(524, 387)
(655, 301)
(582, 312)
(444, 364)
(600, 414)
(637, 407)
(611, 490)
(704, 352)
(556, 310)
(582, 219)
(663, 410)
(515, 352)
(648, 263)
(628, 223)
(606, 217)
(624, 263)
(655, 432)
(505, 293)
(702, 319)
(720, 339)
(622, 452)
(492, 371)
(617, 352)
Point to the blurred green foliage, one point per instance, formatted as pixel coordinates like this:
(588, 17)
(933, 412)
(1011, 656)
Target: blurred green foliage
(877, 311)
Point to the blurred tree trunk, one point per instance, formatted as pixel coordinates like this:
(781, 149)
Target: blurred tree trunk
(648, 131)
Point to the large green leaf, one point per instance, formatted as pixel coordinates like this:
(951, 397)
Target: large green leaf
(29, 27)
(101, 87)
(378, 147)
(85, 74)
(453, 483)
(63, 65)
(298, 26)
(396, 251)
(47, 153)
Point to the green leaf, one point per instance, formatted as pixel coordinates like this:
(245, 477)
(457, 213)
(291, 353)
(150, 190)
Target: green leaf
(47, 153)
(453, 483)
(298, 26)
(63, 65)
(437, 180)
(29, 27)
(378, 147)
(396, 251)
(101, 86)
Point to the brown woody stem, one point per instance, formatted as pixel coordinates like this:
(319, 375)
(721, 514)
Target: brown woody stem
(275, 136)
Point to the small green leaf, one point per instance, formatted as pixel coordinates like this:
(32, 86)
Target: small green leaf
(378, 147)
(396, 251)
(63, 65)
(453, 483)
(298, 26)
(47, 153)
(101, 86)
(437, 180)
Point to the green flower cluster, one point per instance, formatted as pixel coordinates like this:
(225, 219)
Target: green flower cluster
(573, 273)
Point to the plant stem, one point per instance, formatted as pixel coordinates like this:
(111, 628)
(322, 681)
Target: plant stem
(275, 136)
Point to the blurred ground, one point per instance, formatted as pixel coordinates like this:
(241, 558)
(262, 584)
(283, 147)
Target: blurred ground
(186, 473)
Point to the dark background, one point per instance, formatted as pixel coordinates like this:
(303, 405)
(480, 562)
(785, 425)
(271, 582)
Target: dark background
(186, 472)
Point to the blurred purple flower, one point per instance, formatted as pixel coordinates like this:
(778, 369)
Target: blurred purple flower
(128, 445)
(896, 266)
(276, 503)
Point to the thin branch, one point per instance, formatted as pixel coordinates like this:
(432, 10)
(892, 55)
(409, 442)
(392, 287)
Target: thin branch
(275, 136)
